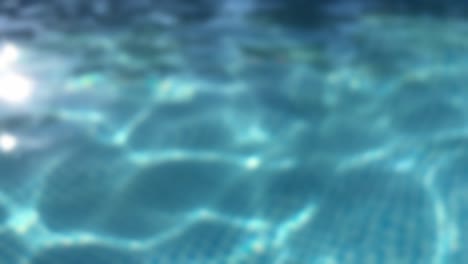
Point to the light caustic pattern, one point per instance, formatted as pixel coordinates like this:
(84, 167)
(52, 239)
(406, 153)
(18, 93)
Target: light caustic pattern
(276, 150)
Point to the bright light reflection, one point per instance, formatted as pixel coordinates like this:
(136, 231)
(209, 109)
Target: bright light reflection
(15, 88)
(8, 55)
(10, 52)
(252, 163)
(8, 142)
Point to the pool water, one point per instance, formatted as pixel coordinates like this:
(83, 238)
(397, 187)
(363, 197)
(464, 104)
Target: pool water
(236, 143)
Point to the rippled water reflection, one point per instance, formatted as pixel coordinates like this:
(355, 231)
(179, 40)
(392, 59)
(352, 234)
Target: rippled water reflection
(250, 143)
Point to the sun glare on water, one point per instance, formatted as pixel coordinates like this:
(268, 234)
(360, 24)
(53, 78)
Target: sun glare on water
(8, 142)
(14, 87)
(8, 55)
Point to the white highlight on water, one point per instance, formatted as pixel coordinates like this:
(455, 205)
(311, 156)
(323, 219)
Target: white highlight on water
(8, 142)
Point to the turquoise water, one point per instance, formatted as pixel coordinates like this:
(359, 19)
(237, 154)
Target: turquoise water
(244, 143)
